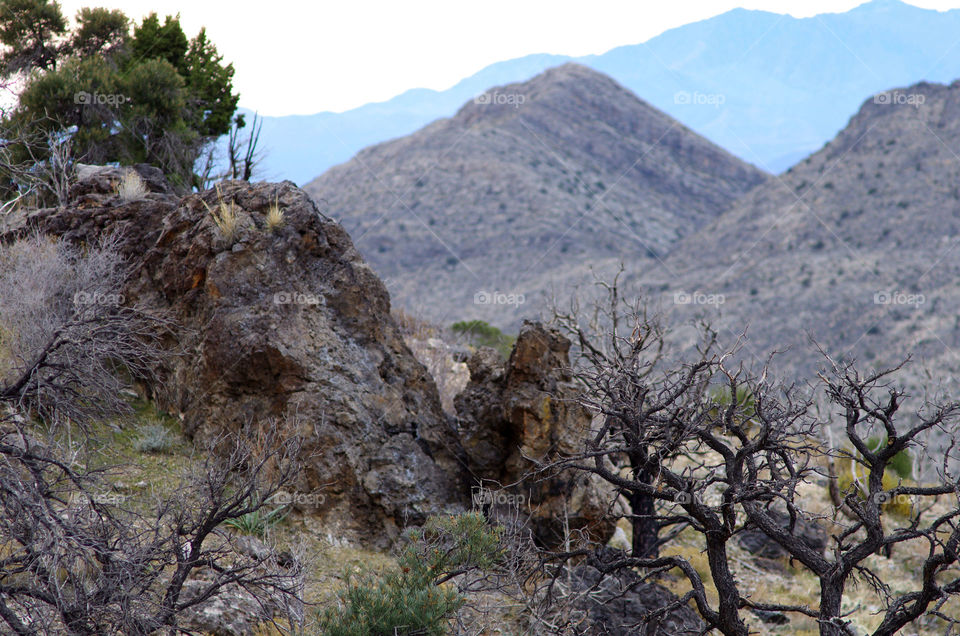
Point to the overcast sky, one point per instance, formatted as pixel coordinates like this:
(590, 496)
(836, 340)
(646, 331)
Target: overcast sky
(296, 57)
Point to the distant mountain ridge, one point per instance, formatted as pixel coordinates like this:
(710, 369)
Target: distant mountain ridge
(856, 247)
(767, 87)
(523, 186)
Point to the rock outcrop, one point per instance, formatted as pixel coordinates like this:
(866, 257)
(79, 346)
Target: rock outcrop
(617, 604)
(756, 542)
(236, 611)
(517, 414)
(285, 323)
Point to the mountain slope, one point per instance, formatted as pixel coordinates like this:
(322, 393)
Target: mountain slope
(299, 147)
(523, 182)
(857, 246)
(769, 88)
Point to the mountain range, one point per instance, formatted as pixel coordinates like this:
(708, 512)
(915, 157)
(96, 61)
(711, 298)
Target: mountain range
(524, 185)
(855, 248)
(531, 189)
(767, 87)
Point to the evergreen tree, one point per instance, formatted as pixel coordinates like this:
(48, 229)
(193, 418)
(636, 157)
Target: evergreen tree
(151, 96)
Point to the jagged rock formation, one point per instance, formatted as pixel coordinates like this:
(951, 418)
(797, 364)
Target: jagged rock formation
(517, 414)
(524, 187)
(289, 324)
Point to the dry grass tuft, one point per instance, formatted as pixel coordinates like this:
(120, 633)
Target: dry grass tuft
(131, 187)
(275, 216)
(225, 217)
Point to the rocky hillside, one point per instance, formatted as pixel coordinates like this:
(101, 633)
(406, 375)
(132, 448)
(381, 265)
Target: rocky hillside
(856, 246)
(473, 215)
(282, 324)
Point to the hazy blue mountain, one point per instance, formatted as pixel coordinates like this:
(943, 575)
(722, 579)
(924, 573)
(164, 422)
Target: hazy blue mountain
(300, 147)
(786, 85)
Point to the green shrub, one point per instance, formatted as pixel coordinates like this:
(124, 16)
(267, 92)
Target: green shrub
(154, 438)
(416, 597)
(901, 463)
(483, 334)
(257, 522)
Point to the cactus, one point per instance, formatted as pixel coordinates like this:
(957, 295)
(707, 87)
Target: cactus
(852, 475)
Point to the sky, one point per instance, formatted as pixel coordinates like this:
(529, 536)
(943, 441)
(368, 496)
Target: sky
(296, 57)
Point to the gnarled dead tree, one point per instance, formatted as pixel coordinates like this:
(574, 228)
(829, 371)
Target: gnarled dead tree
(684, 458)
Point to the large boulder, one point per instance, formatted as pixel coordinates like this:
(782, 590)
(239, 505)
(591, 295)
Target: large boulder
(620, 603)
(281, 324)
(757, 542)
(518, 416)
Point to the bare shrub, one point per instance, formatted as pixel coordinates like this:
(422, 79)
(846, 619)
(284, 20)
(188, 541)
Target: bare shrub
(38, 162)
(75, 558)
(79, 561)
(70, 341)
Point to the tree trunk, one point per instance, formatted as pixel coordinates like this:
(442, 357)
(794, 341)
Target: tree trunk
(831, 599)
(729, 604)
(646, 530)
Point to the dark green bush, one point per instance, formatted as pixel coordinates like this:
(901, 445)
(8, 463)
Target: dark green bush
(484, 334)
(416, 597)
(901, 463)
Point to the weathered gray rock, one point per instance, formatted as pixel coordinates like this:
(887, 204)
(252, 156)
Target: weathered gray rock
(232, 612)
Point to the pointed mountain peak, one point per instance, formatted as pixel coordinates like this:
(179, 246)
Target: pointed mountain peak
(526, 184)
